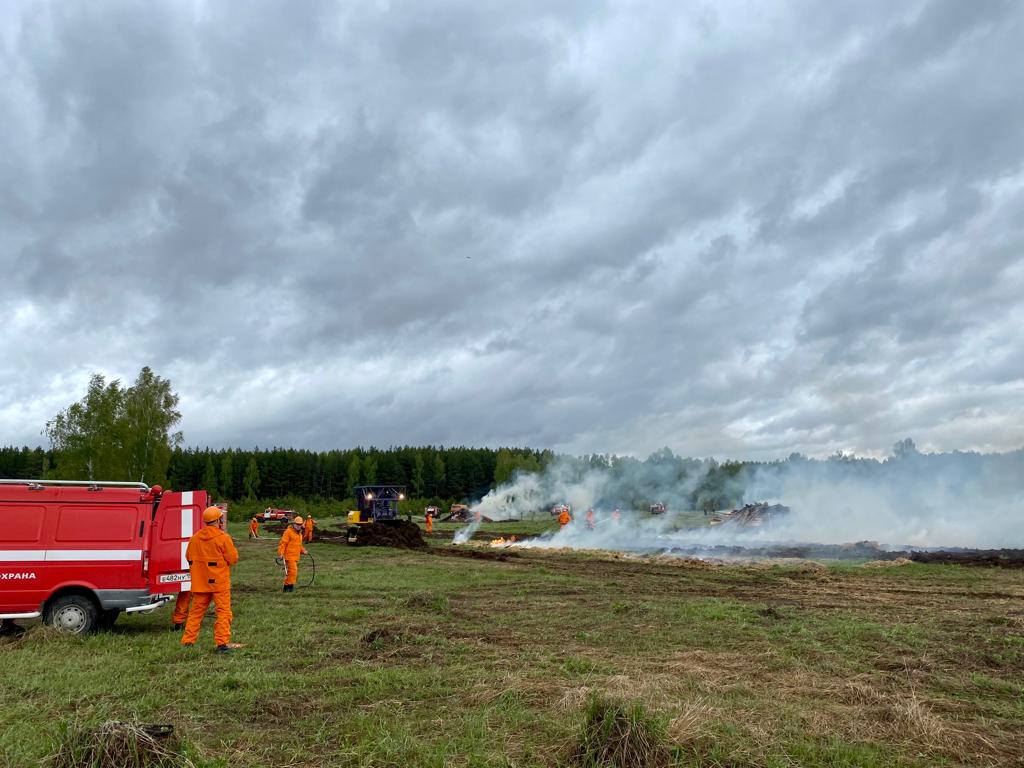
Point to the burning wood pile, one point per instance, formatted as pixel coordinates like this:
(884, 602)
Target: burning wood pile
(461, 513)
(751, 515)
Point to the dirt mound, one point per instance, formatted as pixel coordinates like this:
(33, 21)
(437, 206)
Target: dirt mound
(380, 635)
(999, 558)
(395, 533)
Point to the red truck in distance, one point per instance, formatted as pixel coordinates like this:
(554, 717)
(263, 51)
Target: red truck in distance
(78, 554)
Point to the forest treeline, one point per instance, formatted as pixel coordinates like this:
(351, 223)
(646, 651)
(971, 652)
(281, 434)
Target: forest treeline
(129, 432)
(435, 474)
(447, 474)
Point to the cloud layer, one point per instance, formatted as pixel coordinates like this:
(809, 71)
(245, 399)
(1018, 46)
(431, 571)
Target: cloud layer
(732, 228)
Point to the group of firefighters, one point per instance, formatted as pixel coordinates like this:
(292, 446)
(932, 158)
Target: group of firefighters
(211, 554)
(564, 517)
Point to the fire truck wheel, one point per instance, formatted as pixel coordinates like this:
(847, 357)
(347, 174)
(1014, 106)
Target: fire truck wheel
(107, 619)
(73, 614)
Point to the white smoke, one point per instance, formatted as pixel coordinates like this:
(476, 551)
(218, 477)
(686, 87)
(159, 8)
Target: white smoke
(910, 500)
(465, 534)
(919, 500)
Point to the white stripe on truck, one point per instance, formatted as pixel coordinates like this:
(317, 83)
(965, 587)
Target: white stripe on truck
(186, 525)
(67, 555)
(64, 555)
(22, 555)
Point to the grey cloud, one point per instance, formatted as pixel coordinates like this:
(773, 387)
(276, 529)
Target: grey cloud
(731, 230)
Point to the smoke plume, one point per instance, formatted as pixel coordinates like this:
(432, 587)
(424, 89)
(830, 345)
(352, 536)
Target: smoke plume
(911, 499)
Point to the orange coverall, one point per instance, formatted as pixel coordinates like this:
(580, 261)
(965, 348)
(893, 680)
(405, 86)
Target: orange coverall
(181, 608)
(308, 526)
(430, 523)
(254, 529)
(590, 519)
(210, 553)
(564, 518)
(290, 549)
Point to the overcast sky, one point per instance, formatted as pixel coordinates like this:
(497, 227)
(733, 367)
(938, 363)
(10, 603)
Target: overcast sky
(730, 228)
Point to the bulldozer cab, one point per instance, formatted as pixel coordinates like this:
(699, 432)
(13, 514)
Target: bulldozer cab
(378, 503)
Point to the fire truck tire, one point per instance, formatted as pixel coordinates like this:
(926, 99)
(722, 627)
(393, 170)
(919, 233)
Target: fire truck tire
(107, 619)
(73, 614)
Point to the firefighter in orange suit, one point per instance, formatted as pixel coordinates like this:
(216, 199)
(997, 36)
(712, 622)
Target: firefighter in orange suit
(590, 519)
(290, 549)
(308, 527)
(564, 517)
(211, 554)
(429, 522)
(254, 528)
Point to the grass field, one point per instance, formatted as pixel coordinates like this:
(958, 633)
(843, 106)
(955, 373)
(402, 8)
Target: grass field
(483, 658)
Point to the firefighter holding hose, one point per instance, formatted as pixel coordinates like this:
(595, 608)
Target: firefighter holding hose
(289, 550)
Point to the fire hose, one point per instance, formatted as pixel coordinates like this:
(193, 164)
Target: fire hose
(312, 565)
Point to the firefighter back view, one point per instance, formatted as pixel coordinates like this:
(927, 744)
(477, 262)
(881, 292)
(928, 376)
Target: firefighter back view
(211, 554)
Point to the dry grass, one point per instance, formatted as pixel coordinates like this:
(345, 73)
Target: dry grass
(618, 735)
(899, 561)
(117, 744)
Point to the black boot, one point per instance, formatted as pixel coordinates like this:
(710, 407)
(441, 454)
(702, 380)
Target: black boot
(223, 649)
(289, 588)
(178, 627)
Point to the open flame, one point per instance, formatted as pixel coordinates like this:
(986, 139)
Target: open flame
(503, 542)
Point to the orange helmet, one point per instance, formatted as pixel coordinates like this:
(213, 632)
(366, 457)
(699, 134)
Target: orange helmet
(212, 514)
(298, 520)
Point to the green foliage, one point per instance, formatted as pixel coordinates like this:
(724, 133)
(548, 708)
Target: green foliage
(370, 471)
(418, 481)
(209, 481)
(227, 476)
(355, 473)
(251, 482)
(436, 476)
(116, 433)
(503, 467)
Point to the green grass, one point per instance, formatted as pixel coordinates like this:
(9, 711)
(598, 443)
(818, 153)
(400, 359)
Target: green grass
(418, 659)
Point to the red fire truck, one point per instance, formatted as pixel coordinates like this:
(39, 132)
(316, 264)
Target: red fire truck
(78, 554)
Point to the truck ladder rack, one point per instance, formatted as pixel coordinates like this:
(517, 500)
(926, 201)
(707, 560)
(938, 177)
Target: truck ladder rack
(77, 483)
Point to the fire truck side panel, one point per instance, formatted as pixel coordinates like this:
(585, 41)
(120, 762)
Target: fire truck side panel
(177, 518)
(23, 529)
(100, 547)
(105, 542)
(59, 539)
